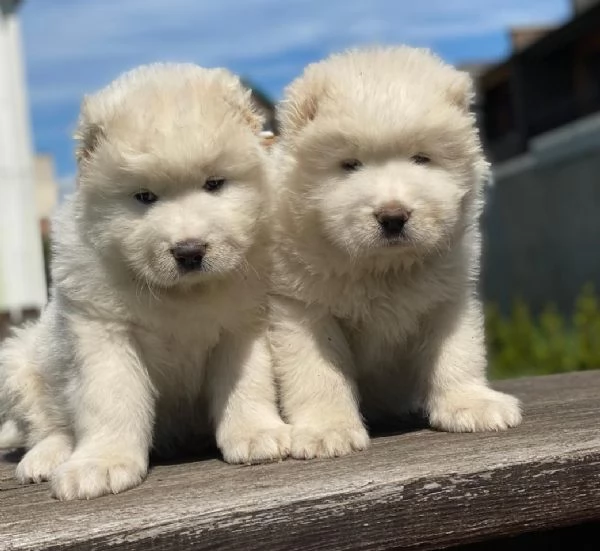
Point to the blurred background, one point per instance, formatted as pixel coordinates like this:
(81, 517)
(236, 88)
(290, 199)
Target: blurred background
(536, 64)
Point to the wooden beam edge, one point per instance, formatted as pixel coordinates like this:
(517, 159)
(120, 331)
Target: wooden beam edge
(426, 513)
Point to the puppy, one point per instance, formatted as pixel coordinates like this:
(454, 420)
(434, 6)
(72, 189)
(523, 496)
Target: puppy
(377, 249)
(155, 335)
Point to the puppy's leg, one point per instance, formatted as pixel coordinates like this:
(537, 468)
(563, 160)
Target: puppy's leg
(243, 402)
(48, 438)
(314, 371)
(34, 405)
(112, 408)
(458, 396)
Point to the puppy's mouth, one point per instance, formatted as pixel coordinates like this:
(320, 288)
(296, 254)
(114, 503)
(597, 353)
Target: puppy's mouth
(394, 240)
(191, 273)
(404, 244)
(167, 274)
(173, 279)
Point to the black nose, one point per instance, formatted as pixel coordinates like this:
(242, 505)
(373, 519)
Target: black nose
(392, 220)
(189, 254)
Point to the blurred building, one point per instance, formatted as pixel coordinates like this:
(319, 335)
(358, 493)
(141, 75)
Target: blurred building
(22, 275)
(46, 191)
(539, 112)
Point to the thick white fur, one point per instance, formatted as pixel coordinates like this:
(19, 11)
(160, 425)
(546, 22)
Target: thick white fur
(129, 354)
(357, 319)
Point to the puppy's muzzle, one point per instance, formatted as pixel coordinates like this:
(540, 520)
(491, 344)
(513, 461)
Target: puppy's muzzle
(189, 254)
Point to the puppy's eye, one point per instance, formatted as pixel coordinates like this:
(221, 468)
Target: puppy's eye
(351, 165)
(420, 159)
(214, 184)
(146, 197)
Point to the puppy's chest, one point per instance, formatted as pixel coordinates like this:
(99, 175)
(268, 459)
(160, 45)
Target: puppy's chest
(175, 342)
(385, 329)
(176, 352)
(388, 331)
(386, 313)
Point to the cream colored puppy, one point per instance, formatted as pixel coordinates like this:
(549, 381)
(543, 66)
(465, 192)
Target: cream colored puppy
(156, 331)
(377, 252)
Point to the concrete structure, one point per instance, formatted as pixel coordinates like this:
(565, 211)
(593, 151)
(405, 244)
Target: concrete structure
(540, 113)
(542, 220)
(522, 37)
(579, 6)
(22, 280)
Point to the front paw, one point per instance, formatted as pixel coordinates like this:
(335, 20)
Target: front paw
(474, 410)
(309, 441)
(43, 459)
(252, 445)
(90, 477)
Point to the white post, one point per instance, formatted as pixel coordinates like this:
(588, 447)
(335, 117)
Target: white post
(22, 279)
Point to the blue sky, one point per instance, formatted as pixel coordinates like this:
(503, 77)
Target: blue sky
(73, 47)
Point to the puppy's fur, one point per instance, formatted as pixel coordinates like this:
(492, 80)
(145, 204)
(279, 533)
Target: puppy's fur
(133, 351)
(391, 321)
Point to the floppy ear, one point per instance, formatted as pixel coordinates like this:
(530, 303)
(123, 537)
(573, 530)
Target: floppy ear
(460, 91)
(87, 135)
(301, 102)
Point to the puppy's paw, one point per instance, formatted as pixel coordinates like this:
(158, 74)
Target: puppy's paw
(309, 442)
(479, 409)
(87, 478)
(43, 459)
(258, 445)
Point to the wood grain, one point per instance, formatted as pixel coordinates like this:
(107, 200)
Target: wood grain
(413, 490)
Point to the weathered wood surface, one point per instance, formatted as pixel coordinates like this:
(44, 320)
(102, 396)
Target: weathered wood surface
(411, 490)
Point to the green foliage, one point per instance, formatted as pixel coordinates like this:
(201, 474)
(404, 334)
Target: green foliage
(524, 344)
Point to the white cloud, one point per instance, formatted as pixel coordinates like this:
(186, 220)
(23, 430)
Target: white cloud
(75, 46)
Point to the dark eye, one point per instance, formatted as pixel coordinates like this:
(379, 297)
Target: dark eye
(146, 197)
(351, 165)
(214, 184)
(420, 159)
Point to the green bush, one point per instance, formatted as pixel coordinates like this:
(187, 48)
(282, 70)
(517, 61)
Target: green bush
(524, 344)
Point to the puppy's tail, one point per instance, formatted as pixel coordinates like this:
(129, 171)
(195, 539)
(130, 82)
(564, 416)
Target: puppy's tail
(15, 378)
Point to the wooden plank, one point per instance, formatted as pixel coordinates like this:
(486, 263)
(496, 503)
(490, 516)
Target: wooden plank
(417, 489)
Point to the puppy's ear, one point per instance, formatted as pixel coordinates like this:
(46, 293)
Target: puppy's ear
(301, 103)
(460, 91)
(250, 114)
(87, 135)
(239, 97)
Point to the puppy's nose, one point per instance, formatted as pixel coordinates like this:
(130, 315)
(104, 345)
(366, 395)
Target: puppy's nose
(392, 219)
(189, 254)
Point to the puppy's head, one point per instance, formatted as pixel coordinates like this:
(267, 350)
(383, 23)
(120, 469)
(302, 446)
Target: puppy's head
(382, 152)
(171, 173)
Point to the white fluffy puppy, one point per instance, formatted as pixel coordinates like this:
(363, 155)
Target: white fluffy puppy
(156, 328)
(377, 252)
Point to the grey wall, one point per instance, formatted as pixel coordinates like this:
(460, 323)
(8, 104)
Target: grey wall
(542, 222)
